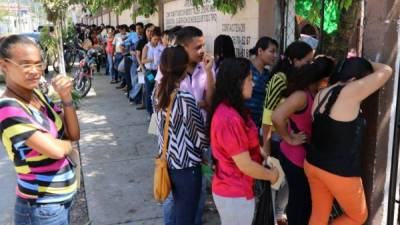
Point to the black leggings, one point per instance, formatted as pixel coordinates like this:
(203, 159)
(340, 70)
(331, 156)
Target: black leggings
(299, 206)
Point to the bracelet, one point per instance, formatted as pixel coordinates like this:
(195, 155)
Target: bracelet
(67, 104)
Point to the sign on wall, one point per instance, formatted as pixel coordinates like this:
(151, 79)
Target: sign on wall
(242, 27)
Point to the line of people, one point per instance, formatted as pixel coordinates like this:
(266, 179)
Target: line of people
(303, 110)
(231, 112)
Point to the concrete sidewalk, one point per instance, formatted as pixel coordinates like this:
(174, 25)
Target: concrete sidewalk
(117, 158)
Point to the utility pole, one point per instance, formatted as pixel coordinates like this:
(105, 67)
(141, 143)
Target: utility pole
(19, 16)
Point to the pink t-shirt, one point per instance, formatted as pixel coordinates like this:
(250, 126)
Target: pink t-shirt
(303, 121)
(230, 136)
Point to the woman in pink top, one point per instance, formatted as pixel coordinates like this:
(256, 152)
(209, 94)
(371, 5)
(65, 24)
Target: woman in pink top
(110, 52)
(293, 122)
(235, 145)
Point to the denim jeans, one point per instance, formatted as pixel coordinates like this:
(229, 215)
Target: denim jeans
(118, 59)
(148, 87)
(186, 189)
(136, 87)
(110, 66)
(47, 214)
(169, 209)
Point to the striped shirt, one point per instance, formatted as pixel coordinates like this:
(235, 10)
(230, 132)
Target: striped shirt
(255, 104)
(187, 136)
(276, 85)
(39, 178)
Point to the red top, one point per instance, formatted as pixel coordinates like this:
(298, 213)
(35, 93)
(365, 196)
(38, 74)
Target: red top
(110, 47)
(230, 136)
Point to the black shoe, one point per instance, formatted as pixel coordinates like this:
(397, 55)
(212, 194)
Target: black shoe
(141, 107)
(120, 87)
(113, 82)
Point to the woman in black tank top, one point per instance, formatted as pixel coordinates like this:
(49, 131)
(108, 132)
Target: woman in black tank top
(332, 164)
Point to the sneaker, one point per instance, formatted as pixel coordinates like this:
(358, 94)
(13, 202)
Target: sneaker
(113, 82)
(120, 87)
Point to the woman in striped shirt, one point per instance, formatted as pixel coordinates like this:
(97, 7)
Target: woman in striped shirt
(37, 136)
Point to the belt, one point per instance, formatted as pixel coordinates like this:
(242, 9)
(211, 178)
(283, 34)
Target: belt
(32, 202)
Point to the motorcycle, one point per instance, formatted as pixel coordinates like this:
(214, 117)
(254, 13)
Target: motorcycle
(84, 74)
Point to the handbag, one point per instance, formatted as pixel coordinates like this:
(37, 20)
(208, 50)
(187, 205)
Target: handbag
(162, 182)
(121, 66)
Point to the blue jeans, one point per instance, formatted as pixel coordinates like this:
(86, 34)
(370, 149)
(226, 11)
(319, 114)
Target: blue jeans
(118, 59)
(149, 87)
(110, 65)
(186, 190)
(136, 87)
(46, 214)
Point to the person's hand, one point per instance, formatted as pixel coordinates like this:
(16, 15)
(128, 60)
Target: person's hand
(63, 86)
(208, 61)
(275, 175)
(297, 138)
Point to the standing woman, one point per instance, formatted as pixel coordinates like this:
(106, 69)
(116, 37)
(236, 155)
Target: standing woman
(266, 53)
(223, 49)
(296, 55)
(235, 145)
(184, 152)
(333, 165)
(37, 136)
(292, 120)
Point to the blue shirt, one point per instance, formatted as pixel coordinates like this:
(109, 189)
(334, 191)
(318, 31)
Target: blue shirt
(131, 39)
(256, 103)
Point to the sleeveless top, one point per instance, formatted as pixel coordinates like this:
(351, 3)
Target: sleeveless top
(300, 121)
(154, 53)
(336, 144)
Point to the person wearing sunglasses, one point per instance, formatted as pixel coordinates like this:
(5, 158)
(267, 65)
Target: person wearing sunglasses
(37, 135)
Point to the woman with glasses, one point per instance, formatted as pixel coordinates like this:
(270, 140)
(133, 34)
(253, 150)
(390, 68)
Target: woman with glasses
(37, 136)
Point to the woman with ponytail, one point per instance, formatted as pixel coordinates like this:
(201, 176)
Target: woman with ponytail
(296, 55)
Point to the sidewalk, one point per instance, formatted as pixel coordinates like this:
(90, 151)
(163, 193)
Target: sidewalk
(117, 158)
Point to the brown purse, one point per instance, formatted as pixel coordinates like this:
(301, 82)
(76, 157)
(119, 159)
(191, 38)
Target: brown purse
(162, 182)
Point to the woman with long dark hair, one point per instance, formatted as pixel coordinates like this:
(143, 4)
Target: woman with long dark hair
(292, 120)
(186, 134)
(223, 49)
(333, 164)
(295, 56)
(37, 135)
(235, 145)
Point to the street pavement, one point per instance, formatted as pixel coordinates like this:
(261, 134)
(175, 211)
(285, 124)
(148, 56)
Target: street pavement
(117, 160)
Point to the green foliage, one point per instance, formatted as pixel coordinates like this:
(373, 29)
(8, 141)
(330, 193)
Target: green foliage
(69, 31)
(225, 6)
(55, 9)
(48, 41)
(3, 13)
(311, 10)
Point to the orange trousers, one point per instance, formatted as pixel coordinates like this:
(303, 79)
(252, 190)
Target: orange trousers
(348, 192)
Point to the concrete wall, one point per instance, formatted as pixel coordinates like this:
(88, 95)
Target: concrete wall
(380, 44)
(126, 17)
(242, 27)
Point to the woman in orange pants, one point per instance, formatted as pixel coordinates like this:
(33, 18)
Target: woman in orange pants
(333, 165)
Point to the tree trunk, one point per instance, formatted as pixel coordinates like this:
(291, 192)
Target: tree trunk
(337, 45)
(57, 29)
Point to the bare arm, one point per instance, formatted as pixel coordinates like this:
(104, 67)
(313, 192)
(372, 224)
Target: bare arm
(267, 130)
(144, 56)
(209, 62)
(47, 145)
(253, 169)
(360, 89)
(63, 86)
(280, 116)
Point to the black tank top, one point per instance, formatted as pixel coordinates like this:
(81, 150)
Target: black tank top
(335, 145)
